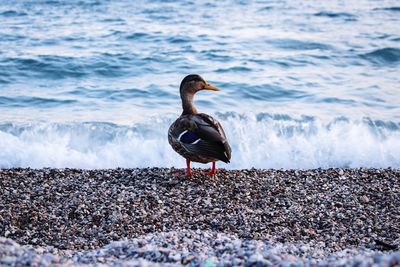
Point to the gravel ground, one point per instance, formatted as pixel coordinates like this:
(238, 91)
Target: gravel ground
(73, 216)
(193, 248)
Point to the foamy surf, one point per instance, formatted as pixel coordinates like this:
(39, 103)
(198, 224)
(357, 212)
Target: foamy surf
(258, 140)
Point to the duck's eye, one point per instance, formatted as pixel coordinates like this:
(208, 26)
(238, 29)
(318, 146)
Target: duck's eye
(196, 80)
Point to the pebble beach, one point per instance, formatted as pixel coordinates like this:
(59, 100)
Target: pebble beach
(150, 216)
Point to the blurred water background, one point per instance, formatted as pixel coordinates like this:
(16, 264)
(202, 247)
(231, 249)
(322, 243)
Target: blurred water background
(304, 84)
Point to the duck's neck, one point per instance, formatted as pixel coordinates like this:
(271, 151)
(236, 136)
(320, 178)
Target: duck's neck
(187, 104)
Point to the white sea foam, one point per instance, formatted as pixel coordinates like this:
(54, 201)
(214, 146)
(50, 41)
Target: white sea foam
(261, 141)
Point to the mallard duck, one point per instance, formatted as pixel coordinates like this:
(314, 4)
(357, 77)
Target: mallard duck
(197, 136)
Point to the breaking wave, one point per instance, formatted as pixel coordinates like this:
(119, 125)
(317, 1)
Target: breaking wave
(259, 140)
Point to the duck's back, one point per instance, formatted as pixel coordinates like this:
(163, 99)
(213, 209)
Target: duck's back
(200, 138)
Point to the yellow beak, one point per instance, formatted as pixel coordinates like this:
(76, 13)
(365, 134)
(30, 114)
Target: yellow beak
(210, 87)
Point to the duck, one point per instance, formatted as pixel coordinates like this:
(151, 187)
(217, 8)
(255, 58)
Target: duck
(198, 137)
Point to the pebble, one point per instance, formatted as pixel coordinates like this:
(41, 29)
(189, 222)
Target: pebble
(153, 252)
(72, 216)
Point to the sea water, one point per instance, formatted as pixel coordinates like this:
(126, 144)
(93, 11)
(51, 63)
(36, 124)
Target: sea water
(304, 84)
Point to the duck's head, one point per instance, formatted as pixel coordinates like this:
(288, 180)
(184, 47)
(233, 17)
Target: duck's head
(193, 83)
(190, 85)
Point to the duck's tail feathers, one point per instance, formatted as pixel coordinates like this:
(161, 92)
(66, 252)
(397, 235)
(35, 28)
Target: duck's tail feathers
(214, 149)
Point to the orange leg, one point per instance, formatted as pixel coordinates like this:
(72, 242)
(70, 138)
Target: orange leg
(213, 169)
(188, 171)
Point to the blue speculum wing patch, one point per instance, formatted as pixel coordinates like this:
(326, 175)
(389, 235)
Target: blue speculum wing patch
(189, 137)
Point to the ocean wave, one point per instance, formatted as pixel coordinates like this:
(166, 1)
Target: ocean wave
(262, 140)
(120, 94)
(48, 67)
(266, 8)
(217, 55)
(12, 13)
(180, 39)
(234, 69)
(29, 101)
(334, 14)
(137, 36)
(394, 8)
(294, 44)
(336, 100)
(61, 67)
(265, 92)
(383, 56)
(88, 3)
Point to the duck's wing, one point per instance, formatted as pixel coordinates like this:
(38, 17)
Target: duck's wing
(201, 134)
